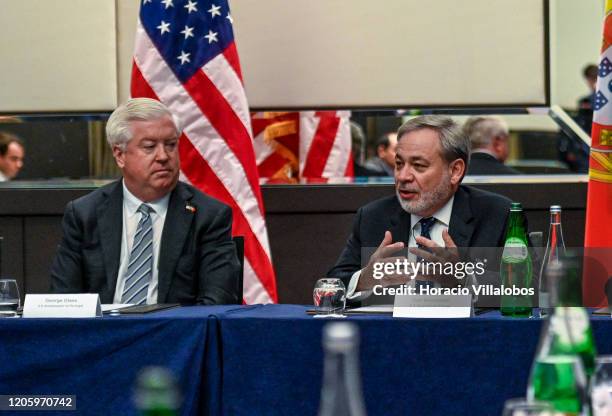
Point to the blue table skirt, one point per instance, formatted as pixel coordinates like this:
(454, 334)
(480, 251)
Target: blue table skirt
(267, 360)
(272, 362)
(98, 359)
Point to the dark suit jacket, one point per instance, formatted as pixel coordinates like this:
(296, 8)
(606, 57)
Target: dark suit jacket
(478, 219)
(485, 164)
(197, 263)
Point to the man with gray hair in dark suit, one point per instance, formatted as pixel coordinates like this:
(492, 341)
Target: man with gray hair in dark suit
(147, 238)
(430, 209)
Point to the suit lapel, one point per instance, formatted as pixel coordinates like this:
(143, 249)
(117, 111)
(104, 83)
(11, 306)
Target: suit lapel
(176, 228)
(110, 226)
(400, 224)
(462, 223)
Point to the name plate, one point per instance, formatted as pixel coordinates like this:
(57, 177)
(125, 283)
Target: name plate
(432, 306)
(77, 305)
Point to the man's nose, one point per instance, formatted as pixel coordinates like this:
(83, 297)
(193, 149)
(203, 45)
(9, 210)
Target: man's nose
(404, 174)
(160, 153)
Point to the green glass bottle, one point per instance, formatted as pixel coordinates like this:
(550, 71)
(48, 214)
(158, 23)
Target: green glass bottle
(516, 267)
(157, 393)
(570, 321)
(565, 358)
(559, 380)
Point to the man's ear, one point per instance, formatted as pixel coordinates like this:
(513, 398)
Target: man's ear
(457, 171)
(497, 145)
(119, 155)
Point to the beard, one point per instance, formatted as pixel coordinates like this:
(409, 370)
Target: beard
(427, 200)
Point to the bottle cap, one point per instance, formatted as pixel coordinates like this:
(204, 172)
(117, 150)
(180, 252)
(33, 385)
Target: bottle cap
(340, 336)
(555, 208)
(516, 206)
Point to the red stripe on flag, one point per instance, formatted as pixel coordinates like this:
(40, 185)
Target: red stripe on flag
(350, 169)
(229, 126)
(231, 54)
(140, 87)
(321, 147)
(203, 177)
(271, 165)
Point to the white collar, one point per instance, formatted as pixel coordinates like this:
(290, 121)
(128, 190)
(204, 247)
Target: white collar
(2, 177)
(131, 202)
(442, 215)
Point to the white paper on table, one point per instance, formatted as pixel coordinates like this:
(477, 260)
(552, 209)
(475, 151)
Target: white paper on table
(432, 306)
(373, 309)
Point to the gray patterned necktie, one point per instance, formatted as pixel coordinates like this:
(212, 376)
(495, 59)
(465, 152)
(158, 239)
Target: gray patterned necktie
(140, 266)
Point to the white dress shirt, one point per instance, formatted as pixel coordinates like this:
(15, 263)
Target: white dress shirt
(131, 217)
(442, 216)
(2, 177)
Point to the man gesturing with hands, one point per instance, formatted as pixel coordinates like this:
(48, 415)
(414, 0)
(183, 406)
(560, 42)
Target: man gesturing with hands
(431, 213)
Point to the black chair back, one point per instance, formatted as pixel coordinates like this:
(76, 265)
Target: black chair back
(239, 242)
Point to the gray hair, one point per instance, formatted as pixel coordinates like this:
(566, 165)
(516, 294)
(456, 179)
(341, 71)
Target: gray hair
(118, 131)
(455, 144)
(481, 130)
(358, 140)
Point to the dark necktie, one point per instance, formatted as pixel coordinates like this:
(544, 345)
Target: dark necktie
(140, 266)
(426, 224)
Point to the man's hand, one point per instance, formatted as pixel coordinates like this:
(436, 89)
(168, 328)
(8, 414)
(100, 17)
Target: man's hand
(381, 255)
(436, 254)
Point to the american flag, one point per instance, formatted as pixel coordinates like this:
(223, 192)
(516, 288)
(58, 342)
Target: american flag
(325, 144)
(185, 56)
(304, 145)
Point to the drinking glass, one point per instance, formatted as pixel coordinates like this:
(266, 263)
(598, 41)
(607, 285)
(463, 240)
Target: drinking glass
(329, 297)
(601, 386)
(523, 407)
(9, 297)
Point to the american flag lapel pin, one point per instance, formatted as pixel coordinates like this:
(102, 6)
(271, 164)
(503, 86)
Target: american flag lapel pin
(190, 208)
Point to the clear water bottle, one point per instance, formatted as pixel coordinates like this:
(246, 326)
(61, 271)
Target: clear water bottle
(341, 394)
(157, 393)
(554, 248)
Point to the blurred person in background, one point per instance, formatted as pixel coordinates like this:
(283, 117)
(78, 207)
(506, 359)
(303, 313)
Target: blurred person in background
(384, 161)
(357, 148)
(574, 152)
(12, 153)
(585, 104)
(490, 148)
